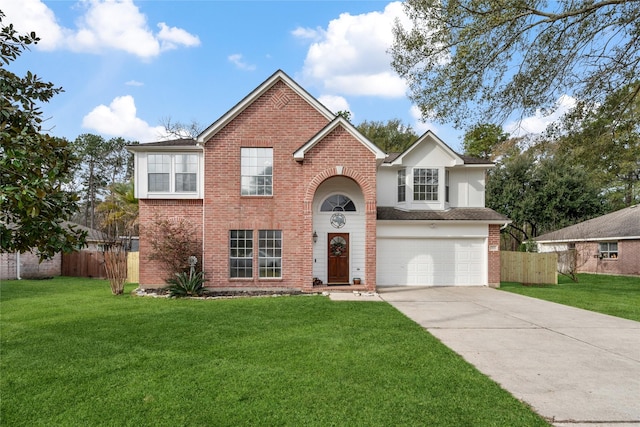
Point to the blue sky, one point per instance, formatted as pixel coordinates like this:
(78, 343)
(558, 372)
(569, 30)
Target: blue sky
(126, 66)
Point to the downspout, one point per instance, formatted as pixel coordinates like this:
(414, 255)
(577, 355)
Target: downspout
(201, 145)
(18, 265)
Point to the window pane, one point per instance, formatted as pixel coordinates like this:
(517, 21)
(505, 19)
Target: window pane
(241, 253)
(256, 171)
(402, 185)
(158, 169)
(186, 182)
(338, 203)
(425, 184)
(270, 253)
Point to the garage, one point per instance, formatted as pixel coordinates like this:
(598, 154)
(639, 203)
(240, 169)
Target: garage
(431, 261)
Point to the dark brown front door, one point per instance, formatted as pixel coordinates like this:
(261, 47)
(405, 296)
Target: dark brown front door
(338, 257)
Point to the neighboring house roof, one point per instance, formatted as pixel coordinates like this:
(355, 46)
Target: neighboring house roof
(183, 143)
(454, 214)
(396, 158)
(93, 235)
(618, 225)
(259, 91)
(339, 121)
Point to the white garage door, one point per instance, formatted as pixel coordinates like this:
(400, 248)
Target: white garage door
(432, 262)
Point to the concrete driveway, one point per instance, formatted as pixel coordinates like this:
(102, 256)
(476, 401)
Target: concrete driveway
(574, 367)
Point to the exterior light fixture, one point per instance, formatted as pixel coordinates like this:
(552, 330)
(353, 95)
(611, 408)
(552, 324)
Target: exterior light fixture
(315, 237)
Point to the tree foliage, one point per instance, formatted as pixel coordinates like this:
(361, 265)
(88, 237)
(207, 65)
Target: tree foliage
(481, 140)
(487, 58)
(101, 163)
(391, 137)
(606, 142)
(34, 167)
(541, 193)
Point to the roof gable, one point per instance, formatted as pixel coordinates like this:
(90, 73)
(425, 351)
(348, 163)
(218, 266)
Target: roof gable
(299, 154)
(621, 224)
(394, 159)
(259, 91)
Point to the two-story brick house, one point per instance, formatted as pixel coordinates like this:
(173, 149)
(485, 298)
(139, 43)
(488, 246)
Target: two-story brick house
(283, 191)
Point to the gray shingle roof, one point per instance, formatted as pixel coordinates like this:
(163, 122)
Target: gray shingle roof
(453, 214)
(624, 223)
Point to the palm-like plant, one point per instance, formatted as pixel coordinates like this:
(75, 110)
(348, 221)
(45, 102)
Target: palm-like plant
(120, 210)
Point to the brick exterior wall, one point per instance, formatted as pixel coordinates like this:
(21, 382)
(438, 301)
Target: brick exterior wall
(493, 256)
(150, 210)
(627, 263)
(281, 120)
(30, 266)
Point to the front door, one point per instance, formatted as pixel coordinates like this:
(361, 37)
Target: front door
(338, 258)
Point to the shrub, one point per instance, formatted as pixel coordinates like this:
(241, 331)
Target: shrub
(186, 284)
(172, 243)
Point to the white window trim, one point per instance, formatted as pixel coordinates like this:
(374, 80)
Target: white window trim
(142, 177)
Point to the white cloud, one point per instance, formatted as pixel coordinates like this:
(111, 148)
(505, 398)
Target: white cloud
(335, 103)
(134, 83)
(119, 119)
(237, 60)
(351, 56)
(537, 123)
(104, 24)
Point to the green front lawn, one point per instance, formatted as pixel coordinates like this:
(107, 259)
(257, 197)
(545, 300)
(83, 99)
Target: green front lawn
(73, 354)
(615, 295)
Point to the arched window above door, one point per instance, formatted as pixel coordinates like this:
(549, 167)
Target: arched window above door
(338, 203)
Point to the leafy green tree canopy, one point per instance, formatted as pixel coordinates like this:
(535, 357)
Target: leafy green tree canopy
(606, 142)
(481, 140)
(487, 58)
(34, 167)
(391, 137)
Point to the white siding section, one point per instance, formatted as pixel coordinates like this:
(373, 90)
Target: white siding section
(141, 179)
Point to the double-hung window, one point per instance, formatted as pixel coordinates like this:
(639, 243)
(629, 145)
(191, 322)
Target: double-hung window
(402, 185)
(159, 169)
(270, 253)
(425, 184)
(186, 172)
(256, 171)
(241, 253)
(176, 173)
(609, 250)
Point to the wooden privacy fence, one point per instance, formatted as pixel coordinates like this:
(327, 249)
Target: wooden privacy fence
(527, 267)
(84, 264)
(133, 267)
(91, 264)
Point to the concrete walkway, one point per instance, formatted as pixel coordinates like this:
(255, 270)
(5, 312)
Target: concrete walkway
(574, 367)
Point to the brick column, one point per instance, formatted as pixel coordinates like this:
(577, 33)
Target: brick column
(493, 256)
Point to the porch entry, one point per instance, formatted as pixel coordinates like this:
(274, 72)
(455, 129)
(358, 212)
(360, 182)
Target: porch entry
(338, 261)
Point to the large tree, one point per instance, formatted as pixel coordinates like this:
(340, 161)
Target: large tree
(482, 139)
(483, 59)
(392, 136)
(541, 193)
(102, 163)
(34, 167)
(606, 142)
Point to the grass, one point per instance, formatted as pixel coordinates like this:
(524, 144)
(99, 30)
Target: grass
(614, 295)
(73, 354)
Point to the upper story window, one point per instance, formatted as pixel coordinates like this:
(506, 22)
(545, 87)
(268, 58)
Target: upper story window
(425, 184)
(338, 203)
(446, 186)
(177, 170)
(609, 250)
(402, 185)
(159, 170)
(186, 172)
(256, 171)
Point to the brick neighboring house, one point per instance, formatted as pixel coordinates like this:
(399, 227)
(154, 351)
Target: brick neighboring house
(284, 194)
(28, 266)
(607, 244)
